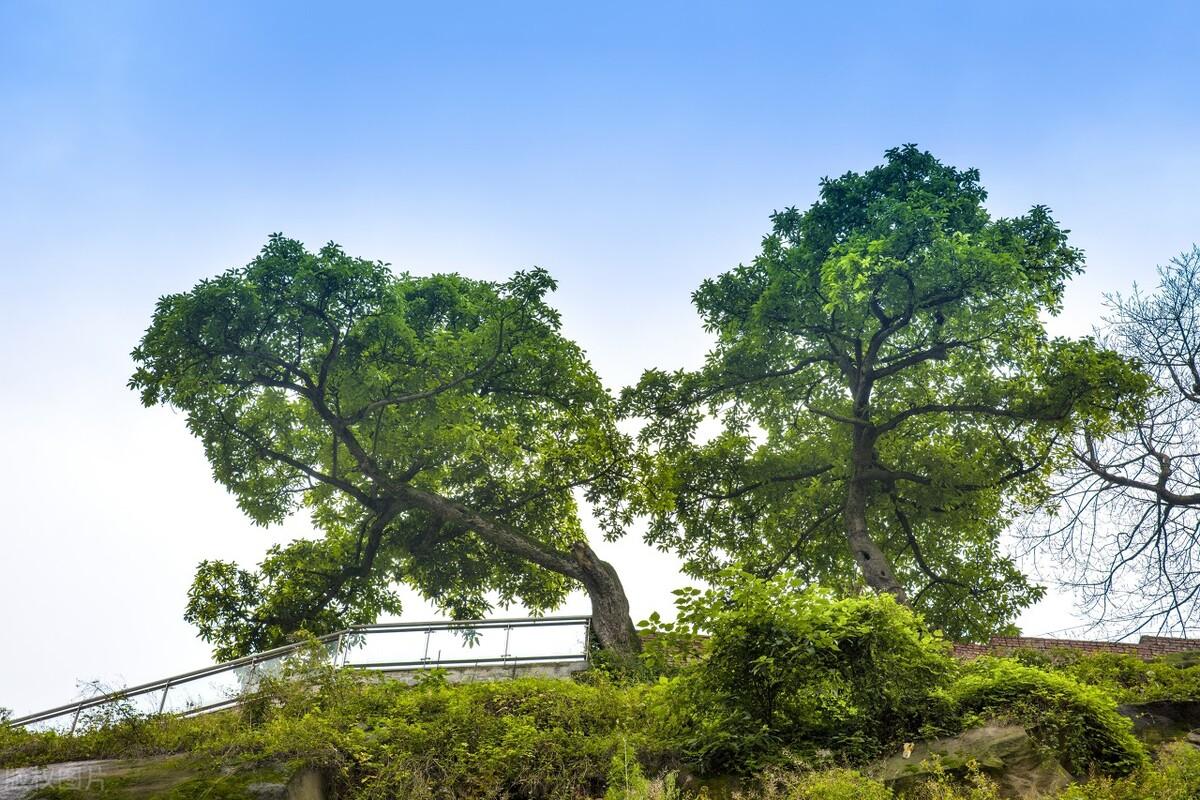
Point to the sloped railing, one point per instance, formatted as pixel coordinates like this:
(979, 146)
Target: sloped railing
(385, 647)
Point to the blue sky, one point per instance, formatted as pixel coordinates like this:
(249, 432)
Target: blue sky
(631, 149)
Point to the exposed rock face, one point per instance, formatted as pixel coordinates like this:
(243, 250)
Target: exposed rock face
(1005, 753)
(1162, 720)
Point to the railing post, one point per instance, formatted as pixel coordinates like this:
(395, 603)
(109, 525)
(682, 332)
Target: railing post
(428, 634)
(507, 634)
(163, 703)
(75, 719)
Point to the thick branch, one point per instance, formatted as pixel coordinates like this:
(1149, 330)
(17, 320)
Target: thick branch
(360, 569)
(500, 534)
(966, 408)
(750, 487)
(1158, 489)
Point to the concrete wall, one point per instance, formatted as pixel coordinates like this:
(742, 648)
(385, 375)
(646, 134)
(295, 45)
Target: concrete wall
(497, 672)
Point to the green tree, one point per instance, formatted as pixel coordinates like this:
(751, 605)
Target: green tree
(882, 396)
(437, 429)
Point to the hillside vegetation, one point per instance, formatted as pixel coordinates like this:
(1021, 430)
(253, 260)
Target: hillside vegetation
(791, 694)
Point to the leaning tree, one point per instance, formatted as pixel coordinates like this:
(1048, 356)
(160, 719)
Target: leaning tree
(1127, 520)
(439, 430)
(882, 396)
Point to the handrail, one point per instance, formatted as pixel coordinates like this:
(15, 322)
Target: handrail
(339, 637)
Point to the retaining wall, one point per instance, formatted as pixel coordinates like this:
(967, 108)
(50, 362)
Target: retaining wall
(1146, 648)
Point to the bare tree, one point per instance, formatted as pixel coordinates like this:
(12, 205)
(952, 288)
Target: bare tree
(1127, 518)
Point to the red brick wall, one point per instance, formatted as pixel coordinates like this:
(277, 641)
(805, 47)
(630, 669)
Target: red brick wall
(969, 651)
(1147, 647)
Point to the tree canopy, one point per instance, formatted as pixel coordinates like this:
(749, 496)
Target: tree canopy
(437, 429)
(882, 396)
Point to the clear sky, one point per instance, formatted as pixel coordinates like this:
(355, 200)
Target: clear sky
(631, 149)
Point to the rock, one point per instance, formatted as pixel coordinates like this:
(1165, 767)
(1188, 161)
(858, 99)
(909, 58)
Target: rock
(1162, 720)
(1004, 753)
(307, 784)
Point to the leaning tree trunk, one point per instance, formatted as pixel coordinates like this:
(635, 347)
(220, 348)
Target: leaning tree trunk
(611, 623)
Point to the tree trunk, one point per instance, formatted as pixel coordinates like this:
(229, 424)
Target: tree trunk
(611, 622)
(610, 608)
(874, 565)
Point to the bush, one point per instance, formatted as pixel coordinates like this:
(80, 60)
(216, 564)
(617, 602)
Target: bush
(528, 738)
(625, 778)
(128, 737)
(787, 667)
(1079, 723)
(786, 676)
(837, 784)
(1175, 777)
(1128, 678)
(848, 784)
(1131, 680)
(945, 786)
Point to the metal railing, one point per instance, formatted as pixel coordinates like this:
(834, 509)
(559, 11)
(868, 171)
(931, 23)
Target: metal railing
(381, 647)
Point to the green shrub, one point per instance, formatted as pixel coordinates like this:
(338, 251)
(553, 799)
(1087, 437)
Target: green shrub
(625, 778)
(130, 737)
(1188, 658)
(789, 668)
(1176, 776)
(797, 782)
(838, 784)
(784, 675)
(848, 784)
(1078, 722)
(1117, 673)
(1131, 680)
(944, 786)
(1054, 658)
(669, 646)
(623, 786)
(528, 738)
(1128, 678)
